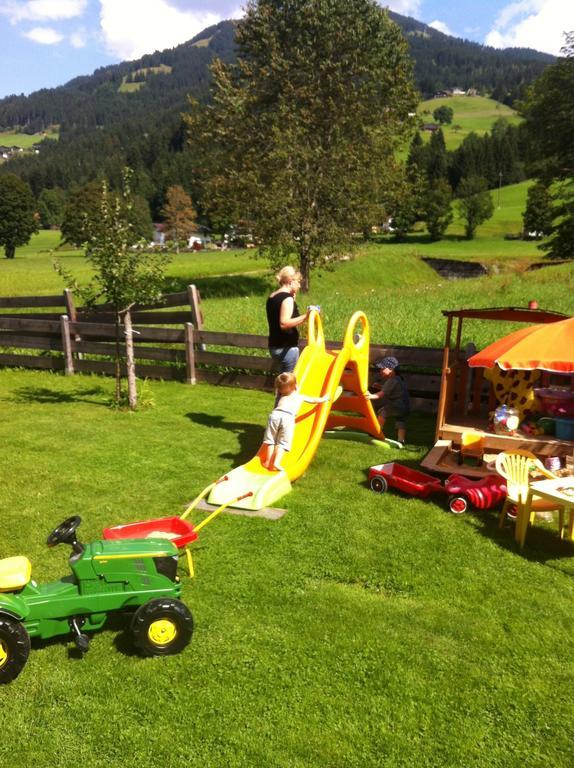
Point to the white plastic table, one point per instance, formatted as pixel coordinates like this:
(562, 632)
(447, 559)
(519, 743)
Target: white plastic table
(561, 491)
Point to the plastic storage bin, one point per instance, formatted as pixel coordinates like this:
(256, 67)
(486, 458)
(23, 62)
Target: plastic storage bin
(564, 428)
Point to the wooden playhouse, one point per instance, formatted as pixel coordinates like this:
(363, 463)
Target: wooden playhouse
(464, 441)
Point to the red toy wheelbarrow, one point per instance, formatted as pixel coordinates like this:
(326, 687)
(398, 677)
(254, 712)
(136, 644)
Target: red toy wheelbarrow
(484, 493)
(176, 529)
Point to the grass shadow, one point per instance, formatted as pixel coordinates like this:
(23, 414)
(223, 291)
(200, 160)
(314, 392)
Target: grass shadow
(543, 544)
(221, 287)
(249, 435)
(55, 396)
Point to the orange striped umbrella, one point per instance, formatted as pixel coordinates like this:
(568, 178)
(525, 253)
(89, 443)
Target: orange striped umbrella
(548, 347)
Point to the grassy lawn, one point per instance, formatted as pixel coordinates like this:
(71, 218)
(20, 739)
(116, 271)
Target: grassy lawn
(471, 113)
(359, 630)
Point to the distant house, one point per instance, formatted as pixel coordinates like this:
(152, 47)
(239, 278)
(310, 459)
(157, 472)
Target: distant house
(441, 94)
(472, 92)
(458, 92)
(431, 127)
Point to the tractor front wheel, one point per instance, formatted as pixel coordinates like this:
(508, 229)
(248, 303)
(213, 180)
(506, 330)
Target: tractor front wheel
(162, 627)
(14, 649)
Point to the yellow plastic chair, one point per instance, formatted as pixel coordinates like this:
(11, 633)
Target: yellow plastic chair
(516, 468)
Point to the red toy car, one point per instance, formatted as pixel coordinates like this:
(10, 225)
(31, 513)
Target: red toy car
(484, 493)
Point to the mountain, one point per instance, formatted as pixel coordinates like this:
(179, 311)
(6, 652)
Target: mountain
(129, 113)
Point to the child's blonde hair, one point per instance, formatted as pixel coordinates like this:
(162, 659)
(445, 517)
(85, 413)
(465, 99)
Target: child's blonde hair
(285, 383)
(287, 274)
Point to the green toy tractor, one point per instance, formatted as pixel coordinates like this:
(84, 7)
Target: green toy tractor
(137, 576)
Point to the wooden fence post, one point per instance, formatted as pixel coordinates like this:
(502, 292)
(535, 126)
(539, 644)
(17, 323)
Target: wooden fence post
(67, 345)
(72, 314)
(189, 354)
(194, 299)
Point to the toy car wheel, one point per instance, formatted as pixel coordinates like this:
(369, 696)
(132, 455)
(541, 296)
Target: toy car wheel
(14, 649)
(379, 484)
(162, 627)
(457, 505)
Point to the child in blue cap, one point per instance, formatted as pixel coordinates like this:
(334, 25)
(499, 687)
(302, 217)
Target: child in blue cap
(392, 390)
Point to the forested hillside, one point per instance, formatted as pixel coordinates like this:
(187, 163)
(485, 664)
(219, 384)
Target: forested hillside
(130, 113)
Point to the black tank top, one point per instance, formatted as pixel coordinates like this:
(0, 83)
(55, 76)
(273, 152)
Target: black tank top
(279, 338)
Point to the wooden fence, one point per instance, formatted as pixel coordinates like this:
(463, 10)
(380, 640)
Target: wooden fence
(78, 340)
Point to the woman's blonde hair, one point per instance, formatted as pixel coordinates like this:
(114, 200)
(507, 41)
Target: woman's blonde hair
(287, 274)
(285, 383)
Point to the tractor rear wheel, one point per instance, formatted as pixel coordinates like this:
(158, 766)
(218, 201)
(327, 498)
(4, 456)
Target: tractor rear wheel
(162, 627)
(14, 649)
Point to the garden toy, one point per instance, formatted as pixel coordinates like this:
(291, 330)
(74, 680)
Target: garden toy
(411, 481)
(516, 467)
(176, 529)
(484, 493)
(137, 577)
(319, 371)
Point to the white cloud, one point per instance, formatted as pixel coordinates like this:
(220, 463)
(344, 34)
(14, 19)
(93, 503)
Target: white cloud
(441, 26)
(42, 10)
(538, 24)
(44, 35)
(79, 38)
(405, 7)
(131, 28)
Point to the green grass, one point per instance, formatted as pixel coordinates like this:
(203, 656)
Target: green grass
(358, 630)
(401, 295)
(126, 87)
(471, 113)
(25, 140)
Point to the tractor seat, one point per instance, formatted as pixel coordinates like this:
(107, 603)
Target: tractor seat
(15, 573)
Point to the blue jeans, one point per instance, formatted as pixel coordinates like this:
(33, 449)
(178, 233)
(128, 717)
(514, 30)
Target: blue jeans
(286, 357)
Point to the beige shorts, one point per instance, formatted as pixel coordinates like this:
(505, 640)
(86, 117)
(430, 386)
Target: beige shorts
(279, 430)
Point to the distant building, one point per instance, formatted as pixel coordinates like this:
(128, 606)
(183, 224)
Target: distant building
(431, 127)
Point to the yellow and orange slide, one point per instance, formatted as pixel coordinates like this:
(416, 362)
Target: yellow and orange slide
(319, 372)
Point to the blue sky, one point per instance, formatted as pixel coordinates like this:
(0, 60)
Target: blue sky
(44, 43)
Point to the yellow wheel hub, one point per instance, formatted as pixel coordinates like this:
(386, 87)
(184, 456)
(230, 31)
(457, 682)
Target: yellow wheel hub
(161, 632)
(3, 654)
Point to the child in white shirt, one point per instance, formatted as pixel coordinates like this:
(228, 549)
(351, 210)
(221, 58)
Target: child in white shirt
(278, 436)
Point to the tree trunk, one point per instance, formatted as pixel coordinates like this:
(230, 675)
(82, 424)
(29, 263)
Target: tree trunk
(118, 360)
(9, 250)
(130, 362)
(305, 269)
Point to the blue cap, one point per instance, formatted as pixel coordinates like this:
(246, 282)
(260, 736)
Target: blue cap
(387, 362)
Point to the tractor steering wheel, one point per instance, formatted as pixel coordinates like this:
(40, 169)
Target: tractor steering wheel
(65, 533)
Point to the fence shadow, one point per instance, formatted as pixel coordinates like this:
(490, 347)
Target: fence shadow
(53, 396)
(248, 435)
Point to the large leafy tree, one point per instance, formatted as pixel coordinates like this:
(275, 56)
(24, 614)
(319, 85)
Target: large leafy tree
(18, 220)
(300, 137)
(549, 113)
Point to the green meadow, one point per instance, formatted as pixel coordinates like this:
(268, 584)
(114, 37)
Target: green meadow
(25, 140)
(471, 114)
(359, 630)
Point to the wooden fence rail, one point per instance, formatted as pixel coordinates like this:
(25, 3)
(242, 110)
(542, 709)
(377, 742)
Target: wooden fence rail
(70, 342)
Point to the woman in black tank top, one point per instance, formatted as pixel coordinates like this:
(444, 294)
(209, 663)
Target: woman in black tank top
(283, 318)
